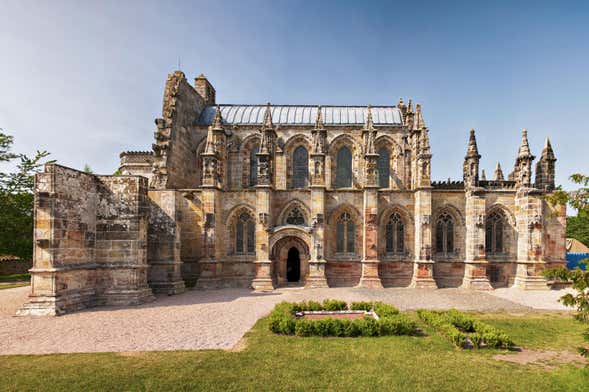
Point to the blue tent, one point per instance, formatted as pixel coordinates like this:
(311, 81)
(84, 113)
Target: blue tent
(574, 258)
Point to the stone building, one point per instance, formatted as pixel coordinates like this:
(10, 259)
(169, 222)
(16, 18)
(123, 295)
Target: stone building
(264, 196)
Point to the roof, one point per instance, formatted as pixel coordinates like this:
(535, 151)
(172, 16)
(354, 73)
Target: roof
(302, 115)
(575, 246)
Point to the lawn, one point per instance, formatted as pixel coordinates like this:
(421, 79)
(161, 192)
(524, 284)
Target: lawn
(274, 362)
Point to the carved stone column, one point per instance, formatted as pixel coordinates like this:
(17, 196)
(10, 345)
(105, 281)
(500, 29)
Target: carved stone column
(209, 263)
(370, 262)
(263, 280)
(529, 225)
(475, 269)
(317, 262)
(423, 270)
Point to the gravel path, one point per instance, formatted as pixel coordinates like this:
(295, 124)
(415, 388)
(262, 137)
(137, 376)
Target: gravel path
(214, 319)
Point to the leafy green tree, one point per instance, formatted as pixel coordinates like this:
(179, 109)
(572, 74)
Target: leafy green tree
(578, 227)
(578, 199)
(16, 200)
(87, 169)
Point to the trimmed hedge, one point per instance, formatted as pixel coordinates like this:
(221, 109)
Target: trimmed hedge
(459, 328)
(283, 320)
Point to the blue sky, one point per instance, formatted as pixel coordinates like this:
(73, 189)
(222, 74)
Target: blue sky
(84, 79)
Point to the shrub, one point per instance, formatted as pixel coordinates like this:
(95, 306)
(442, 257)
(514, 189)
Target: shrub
(385, 310)
(304, 327)
(334, 304)
(391, 322)
(396, 325)
(363, 305)
(453, 324)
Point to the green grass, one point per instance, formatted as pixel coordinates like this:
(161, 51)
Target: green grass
(276, 362)
(4, 286)
(15, 277)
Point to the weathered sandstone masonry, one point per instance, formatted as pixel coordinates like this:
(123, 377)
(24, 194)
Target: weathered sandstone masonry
(90, 241)
(264, 196)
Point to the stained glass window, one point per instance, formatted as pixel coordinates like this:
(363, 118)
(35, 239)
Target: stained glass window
(253, 178)
(394, 233)
(494, 233)
(300, 174)
(345, 234)
(295, 217)
(343, 172)
(445, 234)
(245, 234)
(383, 165)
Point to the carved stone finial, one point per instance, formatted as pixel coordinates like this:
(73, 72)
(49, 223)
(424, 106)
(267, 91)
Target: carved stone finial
(319, 119)
(483, 175)
(268, 117)
(498, 173)
(218, 120)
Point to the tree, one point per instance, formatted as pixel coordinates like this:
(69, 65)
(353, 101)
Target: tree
(16, 200)
(578, 199)
(87, 169)
(578, 227)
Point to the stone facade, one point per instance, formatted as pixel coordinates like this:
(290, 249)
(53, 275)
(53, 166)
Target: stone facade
(263, 196)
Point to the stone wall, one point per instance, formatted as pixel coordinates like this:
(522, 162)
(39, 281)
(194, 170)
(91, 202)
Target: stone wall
(77, 261)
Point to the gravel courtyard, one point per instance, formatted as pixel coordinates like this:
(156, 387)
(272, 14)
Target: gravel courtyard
(216, 319)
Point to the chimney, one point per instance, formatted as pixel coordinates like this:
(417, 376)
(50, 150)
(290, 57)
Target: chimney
(205, 90)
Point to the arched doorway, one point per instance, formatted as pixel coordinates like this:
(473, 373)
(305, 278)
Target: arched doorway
(290, 256)
(293, 265)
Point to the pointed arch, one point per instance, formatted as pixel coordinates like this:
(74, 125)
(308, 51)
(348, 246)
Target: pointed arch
(199, 150)
(500, 232)
(396, 232)
(242, 229)
(447, 231)
(343, 156)
(288, 209)
(345, 231)
(297, 149)
(248, 158)
(390, 163)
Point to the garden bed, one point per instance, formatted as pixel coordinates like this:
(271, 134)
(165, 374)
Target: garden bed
(465, 331)
(336, 318)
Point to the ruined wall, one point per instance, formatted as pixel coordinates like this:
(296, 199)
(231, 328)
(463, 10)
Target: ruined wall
(75, 264)
(177, 137)
(121, 239)
(164, 241)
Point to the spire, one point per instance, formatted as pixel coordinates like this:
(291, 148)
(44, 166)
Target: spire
(472, 150)
(418, 123)
(319, 119)
(218, 120)
(425, 146)
(470, 168)
(268, 117)
(483, 175)
(498, 173)
(410, 106)
(524, 149)
(369, 126)
(547, 152)
(319, 134)
(370, 133)
(210, 143)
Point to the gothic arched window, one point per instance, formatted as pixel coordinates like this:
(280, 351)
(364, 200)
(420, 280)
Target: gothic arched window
(300, 167)
(343, 170)
(383, 165)
(295, 217)
(394, 234)
(445, 234)
(245, 234)
(494, 233)
(253, 177)
(345, 233)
